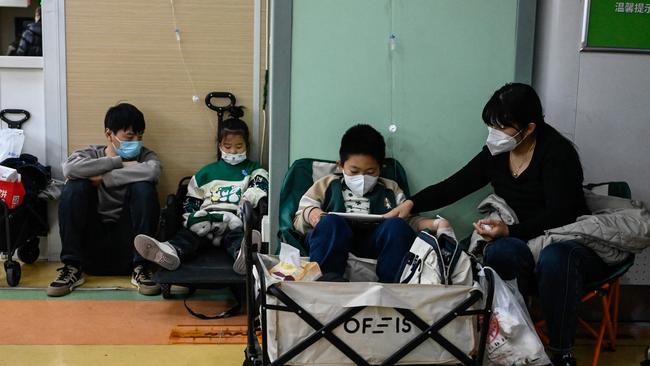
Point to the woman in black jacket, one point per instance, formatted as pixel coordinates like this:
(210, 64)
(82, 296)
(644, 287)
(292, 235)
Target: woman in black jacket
(538, 173)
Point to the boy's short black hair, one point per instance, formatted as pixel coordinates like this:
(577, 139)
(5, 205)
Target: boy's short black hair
(124, 116)
(362, 139)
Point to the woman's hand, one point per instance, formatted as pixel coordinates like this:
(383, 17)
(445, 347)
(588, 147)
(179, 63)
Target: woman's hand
(433, 224)
(491, 229)
(314, 216)
(402, 211)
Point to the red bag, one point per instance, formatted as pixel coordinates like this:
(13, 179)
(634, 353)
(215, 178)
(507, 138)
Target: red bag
(12, 193)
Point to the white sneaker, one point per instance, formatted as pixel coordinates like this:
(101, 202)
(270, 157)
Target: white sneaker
(240, 262)
(161, 253)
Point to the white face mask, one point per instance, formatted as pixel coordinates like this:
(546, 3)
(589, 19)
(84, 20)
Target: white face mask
(233, 159)
(499, 142)
(360, 184)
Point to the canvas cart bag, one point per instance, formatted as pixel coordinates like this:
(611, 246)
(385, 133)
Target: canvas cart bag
(377, 330)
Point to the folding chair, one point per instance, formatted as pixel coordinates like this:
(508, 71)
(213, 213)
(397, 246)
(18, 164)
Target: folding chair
(608, 290)
(301, 175)
(294, 331)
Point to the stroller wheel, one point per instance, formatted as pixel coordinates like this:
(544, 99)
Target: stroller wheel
(29, 252)
(166, 290)
(13, 273)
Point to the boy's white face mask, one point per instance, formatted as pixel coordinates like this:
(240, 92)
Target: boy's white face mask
(499, 142)
(360, 184)
(233, 159)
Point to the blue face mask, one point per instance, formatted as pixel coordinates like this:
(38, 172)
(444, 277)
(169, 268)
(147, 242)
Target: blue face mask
(128, 149)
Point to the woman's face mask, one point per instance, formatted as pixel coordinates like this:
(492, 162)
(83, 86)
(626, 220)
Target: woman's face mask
(499, 142)
(128, 149)
(360, 184)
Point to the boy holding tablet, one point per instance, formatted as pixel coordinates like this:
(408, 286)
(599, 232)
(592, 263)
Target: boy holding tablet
(360, 191)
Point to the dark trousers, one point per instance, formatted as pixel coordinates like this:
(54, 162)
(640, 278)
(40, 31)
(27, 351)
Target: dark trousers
(333, 239)
(105, 248)
(187, 243)
(560, 275)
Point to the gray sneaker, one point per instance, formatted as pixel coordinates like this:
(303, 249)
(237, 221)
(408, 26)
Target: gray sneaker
(161, 253)
(240, 262)
(141, 278)
(68, 278)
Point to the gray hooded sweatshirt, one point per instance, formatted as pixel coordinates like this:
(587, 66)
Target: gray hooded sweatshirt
(92, 161)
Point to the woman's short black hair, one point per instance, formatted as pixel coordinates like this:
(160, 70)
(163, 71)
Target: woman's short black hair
(124, 116)
(362, 139)
(233, 126)
(513, 105)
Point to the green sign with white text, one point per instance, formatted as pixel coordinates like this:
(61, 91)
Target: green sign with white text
(617, 25)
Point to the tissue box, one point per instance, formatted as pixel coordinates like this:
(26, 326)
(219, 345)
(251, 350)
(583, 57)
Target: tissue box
(12, 193)
(308, 271)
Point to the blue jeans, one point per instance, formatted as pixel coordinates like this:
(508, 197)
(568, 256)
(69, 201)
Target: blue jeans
(105, 248)
(333, 239)
(559, 275)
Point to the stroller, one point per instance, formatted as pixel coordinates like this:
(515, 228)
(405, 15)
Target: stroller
(362, 323)
(25, 223)
(212, 269)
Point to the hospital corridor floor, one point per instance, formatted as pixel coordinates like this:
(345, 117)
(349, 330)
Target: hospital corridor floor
(106, 322)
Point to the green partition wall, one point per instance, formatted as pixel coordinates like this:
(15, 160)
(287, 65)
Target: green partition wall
(432, 81)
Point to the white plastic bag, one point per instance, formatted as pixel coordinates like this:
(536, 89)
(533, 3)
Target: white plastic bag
(512, 337)
(11, 143)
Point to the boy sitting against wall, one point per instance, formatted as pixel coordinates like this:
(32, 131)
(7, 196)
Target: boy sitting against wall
(359, 189)
(109, 197)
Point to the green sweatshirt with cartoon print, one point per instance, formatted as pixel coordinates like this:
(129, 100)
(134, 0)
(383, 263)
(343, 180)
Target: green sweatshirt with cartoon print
(219, 187)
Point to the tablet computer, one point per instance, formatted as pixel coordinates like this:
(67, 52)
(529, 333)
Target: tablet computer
(359, 217)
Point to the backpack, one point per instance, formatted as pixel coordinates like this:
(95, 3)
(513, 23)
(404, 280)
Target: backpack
(34, 175)
(436, 261)
(171, 216)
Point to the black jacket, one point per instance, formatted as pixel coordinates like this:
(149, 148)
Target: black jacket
(31, 41)
(547, 194)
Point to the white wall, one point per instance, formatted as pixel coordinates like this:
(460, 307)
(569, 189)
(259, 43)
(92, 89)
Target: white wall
(599, 100)
(21, 87)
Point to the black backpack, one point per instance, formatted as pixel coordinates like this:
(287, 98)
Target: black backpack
(171, 216)
(34, 175)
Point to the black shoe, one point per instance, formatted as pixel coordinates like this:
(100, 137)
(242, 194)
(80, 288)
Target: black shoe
(332, 277)
(563, 360)
(68, 278)
(141, 278)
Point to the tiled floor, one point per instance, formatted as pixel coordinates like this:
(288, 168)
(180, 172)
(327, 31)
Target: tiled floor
(106, 322)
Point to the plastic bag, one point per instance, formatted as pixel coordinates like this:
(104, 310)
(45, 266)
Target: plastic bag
(512, 337)
(11, 143)
(12, 193)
